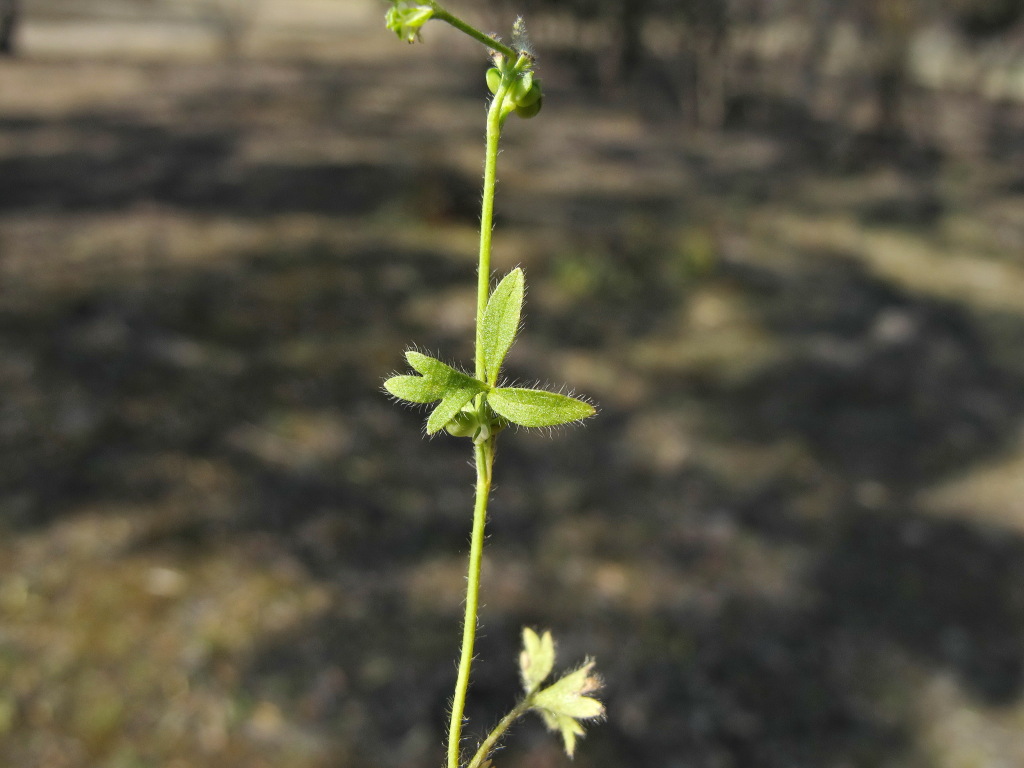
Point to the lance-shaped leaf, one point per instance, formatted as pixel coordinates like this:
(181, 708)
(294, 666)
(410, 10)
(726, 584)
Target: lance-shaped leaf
(537, 407)
(431, 367)
(415, 389)
(501, 322)
(436, 383)
(536, 659)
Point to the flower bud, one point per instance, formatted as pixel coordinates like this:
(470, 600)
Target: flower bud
(465, 424)
(493, 79)
(531, 96)
(521, 87)
(531, 110)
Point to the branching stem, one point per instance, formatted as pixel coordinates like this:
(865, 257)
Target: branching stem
(442, 15)
(495, 735)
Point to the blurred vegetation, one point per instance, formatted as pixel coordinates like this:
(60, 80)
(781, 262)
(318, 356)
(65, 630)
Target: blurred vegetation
(782, 245)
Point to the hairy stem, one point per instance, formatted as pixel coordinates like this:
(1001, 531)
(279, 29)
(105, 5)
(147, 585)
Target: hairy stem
(495, 735)
(484, 454)
(483, 279)
(442, 15)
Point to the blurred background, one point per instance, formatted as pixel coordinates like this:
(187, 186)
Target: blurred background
(782, 245)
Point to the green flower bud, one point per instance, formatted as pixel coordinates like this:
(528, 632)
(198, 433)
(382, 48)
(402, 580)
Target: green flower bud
(531, 110)
(465, 424)
(531, 96)
(521, 87)
(493, 79)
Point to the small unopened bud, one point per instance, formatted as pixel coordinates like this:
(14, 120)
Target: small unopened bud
(532, 95)
(521, 87)
(531, 110)
(493, 79)
(465, 424)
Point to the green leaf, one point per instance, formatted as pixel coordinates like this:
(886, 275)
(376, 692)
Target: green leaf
(427, 365)
(564, 703)
(415, 389)
(439, 382)
(501, 322)
(566, 696)
(536, 407)
(568, 727)
(536, 659)
(450, 406)
(443, 375)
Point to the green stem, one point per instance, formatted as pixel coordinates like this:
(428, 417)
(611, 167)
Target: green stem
(442, 15)
(483, 280)
(484, 454)
(495, 735)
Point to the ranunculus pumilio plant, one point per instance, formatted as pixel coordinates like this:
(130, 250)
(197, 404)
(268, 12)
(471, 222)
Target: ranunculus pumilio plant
(479, 406)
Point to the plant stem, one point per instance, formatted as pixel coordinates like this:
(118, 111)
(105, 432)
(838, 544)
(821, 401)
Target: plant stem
(442, 15)
(483, 278)
(499, 730)
(484, 454)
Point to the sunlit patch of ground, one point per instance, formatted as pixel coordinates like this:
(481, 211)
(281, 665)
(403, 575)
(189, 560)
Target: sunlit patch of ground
(113, 654)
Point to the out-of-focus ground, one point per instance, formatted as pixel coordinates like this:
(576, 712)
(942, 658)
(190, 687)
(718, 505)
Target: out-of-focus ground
(793, 537)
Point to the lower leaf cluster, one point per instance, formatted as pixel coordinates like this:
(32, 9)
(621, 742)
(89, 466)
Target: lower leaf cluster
(478, 407)
(455, 390)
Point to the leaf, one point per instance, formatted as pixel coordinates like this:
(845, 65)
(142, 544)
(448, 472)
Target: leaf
(450, 406)
(428, 366)
(501, 322)
(536, 659)
(444, 376)
(415, 389)
(537, 407)
(567, 696)
(568, 727)
(564, 703)
(439, 382)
